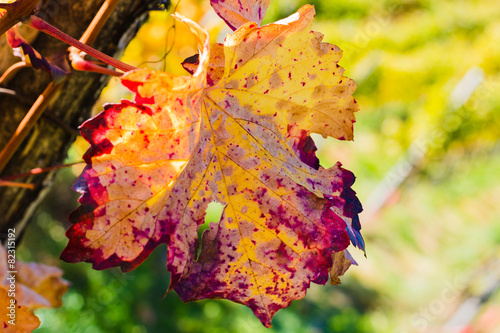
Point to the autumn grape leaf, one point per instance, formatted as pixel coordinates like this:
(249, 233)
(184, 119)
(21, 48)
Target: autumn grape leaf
(33, 286)
(44, 281)
(238, 12)
(25, 321)
(239, 137)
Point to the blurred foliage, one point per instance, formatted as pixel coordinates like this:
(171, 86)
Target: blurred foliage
(432, 245)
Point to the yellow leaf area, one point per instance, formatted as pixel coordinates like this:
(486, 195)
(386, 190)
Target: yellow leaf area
(156, 163)
(25, 287)
(284, 69)
(21, 320)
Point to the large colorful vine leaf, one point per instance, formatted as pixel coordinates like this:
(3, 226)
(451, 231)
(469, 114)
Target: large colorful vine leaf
(237, 132)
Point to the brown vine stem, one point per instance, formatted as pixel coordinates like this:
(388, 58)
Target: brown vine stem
(41, 103)
(89, 36)
(102, 16)
(27, 124)
(15, 12)
(39, 106)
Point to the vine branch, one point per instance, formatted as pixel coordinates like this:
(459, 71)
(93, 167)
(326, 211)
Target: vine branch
(15, 12)
(26, 124)
(21, 6)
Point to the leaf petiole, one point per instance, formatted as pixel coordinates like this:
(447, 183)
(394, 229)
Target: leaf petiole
(37, 171)
(41, 25)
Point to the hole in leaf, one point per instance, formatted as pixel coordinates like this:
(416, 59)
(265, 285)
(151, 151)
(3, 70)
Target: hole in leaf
(212, 214)
(322, 144)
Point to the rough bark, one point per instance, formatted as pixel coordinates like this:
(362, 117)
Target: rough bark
(48, 142)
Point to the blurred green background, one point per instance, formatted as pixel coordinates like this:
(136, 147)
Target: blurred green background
(426, 157)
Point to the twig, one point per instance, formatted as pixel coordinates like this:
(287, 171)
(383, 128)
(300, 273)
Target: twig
(12, 70)
(16, 184)
(98, 22)
(7, 92)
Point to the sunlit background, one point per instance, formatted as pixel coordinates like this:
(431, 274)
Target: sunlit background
(426, 155)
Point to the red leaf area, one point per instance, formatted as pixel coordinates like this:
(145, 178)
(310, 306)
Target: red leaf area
(237, 132)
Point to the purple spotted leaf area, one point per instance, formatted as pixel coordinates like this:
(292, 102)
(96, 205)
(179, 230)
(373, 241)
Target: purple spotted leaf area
(238, 12)
(236, 131)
